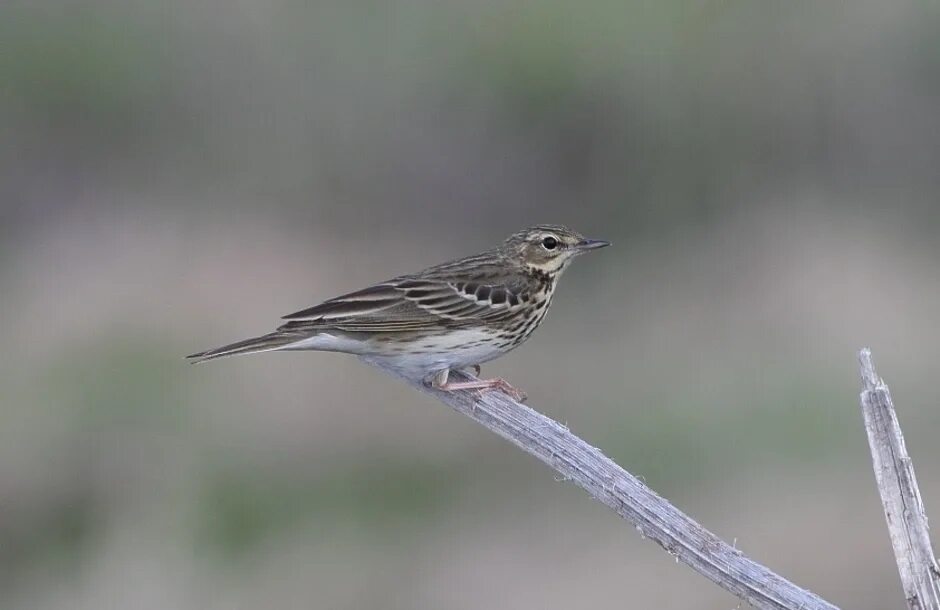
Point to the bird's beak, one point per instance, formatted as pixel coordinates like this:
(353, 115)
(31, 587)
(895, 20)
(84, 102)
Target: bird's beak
(591, 244)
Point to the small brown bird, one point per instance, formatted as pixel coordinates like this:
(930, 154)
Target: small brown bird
(453, 316)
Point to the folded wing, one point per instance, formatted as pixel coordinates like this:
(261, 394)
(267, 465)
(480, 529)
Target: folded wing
(415, 303)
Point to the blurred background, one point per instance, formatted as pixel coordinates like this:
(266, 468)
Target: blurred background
(176, 175)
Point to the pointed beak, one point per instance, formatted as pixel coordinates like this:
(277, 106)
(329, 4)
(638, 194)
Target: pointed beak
(591, 244)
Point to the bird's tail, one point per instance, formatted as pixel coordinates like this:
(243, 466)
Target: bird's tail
(264, 343)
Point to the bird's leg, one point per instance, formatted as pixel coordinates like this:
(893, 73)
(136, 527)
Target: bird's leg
(439, 381)
(498, 383)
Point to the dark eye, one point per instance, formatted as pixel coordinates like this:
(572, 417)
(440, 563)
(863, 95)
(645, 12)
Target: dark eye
(549, 243)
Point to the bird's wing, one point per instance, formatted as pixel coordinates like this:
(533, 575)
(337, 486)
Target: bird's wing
(438, 298)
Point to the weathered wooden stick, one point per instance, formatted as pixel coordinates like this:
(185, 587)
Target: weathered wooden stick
(900, 496)
(653, 517)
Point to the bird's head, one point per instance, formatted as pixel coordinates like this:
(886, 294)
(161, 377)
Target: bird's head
(548, 248)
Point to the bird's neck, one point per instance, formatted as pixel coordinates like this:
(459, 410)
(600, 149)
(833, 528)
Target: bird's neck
(545, 280)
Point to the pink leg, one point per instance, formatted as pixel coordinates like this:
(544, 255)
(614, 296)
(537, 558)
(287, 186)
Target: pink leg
(497, 383)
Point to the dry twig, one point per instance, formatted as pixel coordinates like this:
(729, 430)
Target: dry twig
(653, 517)
(900, 496)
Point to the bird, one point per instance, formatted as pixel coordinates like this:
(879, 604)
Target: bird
(450, 317)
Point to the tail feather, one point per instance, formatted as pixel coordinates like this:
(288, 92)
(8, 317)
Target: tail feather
(264, 343)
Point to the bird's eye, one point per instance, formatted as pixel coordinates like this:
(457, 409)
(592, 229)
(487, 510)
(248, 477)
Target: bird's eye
(549, 243)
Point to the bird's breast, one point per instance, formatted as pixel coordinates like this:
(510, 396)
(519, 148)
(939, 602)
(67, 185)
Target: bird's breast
(454, 349)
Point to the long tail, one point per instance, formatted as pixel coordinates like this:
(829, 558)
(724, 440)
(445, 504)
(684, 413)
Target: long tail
(264, 343)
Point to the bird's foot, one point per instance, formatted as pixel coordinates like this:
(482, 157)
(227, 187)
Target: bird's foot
(498, 383)
(441, 381)
(484, 385)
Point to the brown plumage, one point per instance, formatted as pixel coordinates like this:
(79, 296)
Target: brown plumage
(451, 316)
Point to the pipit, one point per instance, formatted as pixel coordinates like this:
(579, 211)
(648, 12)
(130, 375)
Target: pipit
(453, 316)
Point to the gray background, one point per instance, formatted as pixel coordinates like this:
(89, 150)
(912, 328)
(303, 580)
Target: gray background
(175, 175)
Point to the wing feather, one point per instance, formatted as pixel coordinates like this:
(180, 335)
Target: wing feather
(371, 300)
(443, 297)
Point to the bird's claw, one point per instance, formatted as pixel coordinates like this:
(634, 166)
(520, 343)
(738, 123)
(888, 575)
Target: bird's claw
(504, 386)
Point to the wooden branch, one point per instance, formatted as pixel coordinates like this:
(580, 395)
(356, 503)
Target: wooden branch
(653, 517)
(900, 496)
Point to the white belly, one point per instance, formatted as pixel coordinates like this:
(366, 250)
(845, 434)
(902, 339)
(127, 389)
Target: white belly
(458, 350)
